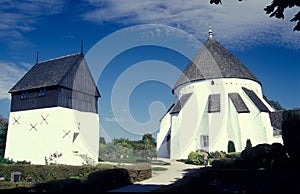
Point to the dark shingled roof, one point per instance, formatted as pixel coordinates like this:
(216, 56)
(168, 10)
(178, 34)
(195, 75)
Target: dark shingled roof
(180, 103)
(49, 73)
(256, 100)
(277, 117)
(238, 103)
(214, 104)
(214, 61)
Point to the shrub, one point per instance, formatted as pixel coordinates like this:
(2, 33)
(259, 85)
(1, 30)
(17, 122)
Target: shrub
(263, 154)
(233, 155)
(63, 185)
(44, 173)
(223, 163)
(105, 180)
(248, 144)
(196, 158)
(230, 147)
(217, 154)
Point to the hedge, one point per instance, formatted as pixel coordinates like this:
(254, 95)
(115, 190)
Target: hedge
(91, 179)
(45, 173)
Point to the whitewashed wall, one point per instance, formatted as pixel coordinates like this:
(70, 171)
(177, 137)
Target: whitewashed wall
(54, 134)
(193, 120)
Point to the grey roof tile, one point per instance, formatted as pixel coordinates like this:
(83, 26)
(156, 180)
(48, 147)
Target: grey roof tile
(276, 119)
(49, 73)
(214, 104)
(180, 103)
(256, 100)
(238, 103)
(214, 61)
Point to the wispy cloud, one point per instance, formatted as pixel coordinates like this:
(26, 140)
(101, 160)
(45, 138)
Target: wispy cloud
(234, 23)
(113, 120)
(10, 73)
(18, 17)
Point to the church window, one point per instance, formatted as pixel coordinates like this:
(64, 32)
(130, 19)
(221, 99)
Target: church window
(24, 95)
(204, 141)
(42, 92)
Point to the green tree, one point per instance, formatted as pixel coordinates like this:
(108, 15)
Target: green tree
(123, 142)
(230, 147)
(277, 8)
(3, 134)
(149, 140)
(248, 144)
(275, 104)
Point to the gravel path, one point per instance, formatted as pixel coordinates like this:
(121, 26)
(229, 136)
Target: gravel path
(174, 172)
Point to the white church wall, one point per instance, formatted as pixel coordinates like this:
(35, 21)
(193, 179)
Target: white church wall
(174, 146)
(233, 127)
(194, 120)
(183, 134)
(42, 132)
(165, 125)
(254, 126)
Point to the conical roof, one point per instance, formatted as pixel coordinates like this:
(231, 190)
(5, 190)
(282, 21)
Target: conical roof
(214, 61)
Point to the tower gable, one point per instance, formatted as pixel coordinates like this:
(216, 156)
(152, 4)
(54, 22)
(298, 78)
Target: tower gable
(64, 81)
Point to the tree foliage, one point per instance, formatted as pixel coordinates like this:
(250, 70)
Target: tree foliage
(291, 133)
(3, 134)
(277, 8)
(275, 104)
(121, 148)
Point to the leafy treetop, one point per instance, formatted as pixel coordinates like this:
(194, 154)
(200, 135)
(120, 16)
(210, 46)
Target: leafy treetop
(277, 8)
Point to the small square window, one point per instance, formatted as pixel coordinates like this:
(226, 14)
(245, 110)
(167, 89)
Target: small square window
(24, 95)
(42, 92)
(204, 140)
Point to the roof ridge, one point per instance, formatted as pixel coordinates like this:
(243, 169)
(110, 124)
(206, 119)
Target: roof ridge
(61, 57)
(214, 61)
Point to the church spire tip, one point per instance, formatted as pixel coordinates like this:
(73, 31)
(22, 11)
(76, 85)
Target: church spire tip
(210, 32)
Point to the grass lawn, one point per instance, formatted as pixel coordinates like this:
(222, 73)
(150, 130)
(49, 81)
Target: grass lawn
(158, 168)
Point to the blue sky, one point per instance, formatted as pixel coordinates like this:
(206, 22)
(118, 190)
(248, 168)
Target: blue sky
(149, 42)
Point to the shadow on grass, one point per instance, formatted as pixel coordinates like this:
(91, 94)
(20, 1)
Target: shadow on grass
(138, 188)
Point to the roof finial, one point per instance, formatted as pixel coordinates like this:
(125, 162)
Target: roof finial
(210, 32)
(37, 57)
(81, 49)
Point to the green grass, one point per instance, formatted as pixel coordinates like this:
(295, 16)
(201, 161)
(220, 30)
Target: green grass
(105, 165)
(182, 160)
(159, 168)
(159, 162)
(9, 185)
